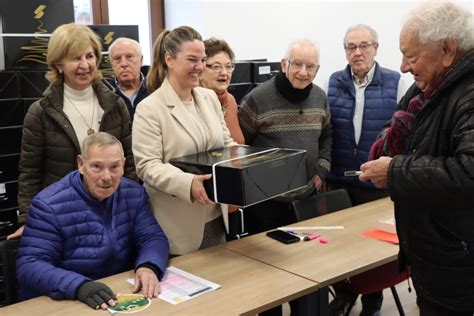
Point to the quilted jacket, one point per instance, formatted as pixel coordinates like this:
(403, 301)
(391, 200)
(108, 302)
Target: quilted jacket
(49, 146)
(71, 238)
(380, 103)
(432, 185)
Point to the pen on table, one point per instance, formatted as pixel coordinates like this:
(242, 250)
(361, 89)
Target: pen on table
(310, 228)
(311, 237)
(295, 234)
(199, 291)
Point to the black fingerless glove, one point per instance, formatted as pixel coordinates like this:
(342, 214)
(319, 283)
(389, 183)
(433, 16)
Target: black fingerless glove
(95, 294)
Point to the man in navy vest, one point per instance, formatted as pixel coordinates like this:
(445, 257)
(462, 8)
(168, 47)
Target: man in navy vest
(362, 97)
(126, 59)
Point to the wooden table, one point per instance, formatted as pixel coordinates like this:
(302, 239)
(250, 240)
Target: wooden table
(247, 287)
(348, 253)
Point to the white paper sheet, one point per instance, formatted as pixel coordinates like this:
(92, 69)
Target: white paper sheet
(179, 286)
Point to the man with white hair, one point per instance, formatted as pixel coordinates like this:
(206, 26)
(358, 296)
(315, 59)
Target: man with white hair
(126, 59)
(289, 111)
(362, 97)
(427, 158)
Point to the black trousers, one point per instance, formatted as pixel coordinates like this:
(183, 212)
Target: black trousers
(428, 308)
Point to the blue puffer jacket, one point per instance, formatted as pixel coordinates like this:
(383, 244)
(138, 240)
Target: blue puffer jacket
(70, 238)
(380, 103)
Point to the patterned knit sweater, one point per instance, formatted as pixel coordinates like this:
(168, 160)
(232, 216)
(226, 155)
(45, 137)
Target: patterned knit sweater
(268, 119)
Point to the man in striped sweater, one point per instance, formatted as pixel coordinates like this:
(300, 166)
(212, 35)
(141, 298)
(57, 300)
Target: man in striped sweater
(289, 111)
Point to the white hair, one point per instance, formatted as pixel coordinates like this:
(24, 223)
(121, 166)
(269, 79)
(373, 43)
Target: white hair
(303, 41)
(372, 31)
(433, 21)
(127, 40)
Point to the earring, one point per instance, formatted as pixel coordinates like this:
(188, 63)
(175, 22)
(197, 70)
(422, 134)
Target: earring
(60, 71)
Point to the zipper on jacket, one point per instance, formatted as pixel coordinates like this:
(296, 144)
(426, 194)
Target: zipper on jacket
(107, 216)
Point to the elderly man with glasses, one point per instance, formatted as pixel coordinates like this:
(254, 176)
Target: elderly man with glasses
(289, 111)
(362, 97)
(126, 59)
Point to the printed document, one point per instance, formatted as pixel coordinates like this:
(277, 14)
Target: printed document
(178, 286)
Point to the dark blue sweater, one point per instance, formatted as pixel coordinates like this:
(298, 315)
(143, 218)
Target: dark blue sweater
(141, 94)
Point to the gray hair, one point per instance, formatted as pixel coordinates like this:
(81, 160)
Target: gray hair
(372, 31)
(125, 40)
(99, 139)
(303, 41)
(433, 21)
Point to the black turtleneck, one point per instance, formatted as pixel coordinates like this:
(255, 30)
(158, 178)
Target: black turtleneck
(283, 85)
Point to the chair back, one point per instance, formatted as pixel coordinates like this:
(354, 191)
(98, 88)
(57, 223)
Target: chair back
(320, 204)
(8, 281)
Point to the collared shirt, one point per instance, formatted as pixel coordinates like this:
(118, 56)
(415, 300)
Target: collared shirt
(360, 100)
(403, 86)
(135, 94)
(136, 98)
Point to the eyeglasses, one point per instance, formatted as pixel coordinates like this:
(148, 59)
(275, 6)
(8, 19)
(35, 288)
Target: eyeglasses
(216, 67)
(364, 48)
(129, 58)
(298, 65)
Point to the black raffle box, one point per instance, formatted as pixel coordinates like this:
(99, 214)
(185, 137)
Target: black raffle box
(247, 175)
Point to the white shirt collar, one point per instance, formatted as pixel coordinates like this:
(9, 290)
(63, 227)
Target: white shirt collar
(368, 77)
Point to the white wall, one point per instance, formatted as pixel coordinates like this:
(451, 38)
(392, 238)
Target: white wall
(136, 12)
(264, 28)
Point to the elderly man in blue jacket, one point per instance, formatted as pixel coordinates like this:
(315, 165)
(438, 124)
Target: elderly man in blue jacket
(91, 224)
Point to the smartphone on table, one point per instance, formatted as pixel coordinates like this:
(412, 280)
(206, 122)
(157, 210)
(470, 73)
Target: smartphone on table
(283, 236)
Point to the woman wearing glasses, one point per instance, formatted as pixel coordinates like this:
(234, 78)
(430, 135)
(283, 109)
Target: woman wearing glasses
(216, 76)
(179, 118)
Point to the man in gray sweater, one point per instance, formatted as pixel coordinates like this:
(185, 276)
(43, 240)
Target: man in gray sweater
(289, 111)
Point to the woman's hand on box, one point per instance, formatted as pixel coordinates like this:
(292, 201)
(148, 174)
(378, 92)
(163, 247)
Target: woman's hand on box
(198, 193)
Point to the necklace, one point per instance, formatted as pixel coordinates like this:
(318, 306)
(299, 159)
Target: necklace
(90, 130)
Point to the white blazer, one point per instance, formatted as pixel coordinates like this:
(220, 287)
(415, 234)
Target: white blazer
(163, 129)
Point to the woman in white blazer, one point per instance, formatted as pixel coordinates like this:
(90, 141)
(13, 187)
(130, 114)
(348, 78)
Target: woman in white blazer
(179, 118)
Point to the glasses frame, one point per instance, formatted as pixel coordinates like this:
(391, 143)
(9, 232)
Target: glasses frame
(363, 48)
(217, 67)
(308, 67)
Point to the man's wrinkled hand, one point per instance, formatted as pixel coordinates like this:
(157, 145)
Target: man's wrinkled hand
(376, 171)
(147, 280)
(319, 184)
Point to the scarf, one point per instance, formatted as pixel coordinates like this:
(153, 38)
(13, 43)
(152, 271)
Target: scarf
(283, 85)
(394, 140)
